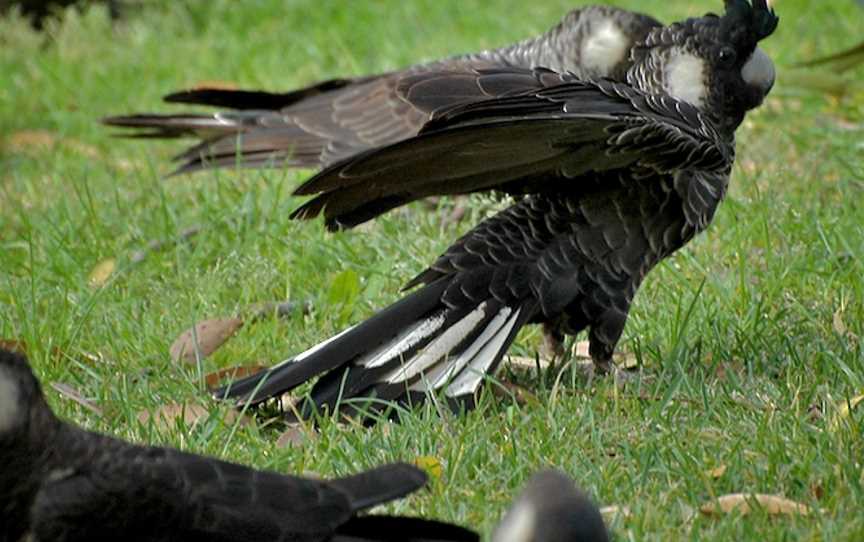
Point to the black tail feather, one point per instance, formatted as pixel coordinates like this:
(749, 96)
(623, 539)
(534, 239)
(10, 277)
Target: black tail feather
(253, 99)
(336, 352)
(381, 485)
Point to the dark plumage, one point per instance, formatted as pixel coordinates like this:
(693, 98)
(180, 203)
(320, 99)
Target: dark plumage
(37, 11)
(552, 509)
(61, 483)
(611, 179)
(333, 120)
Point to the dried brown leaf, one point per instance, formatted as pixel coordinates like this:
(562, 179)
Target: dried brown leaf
(521, 394)
(215, 378)
(14, 345)
(746, 503)
(817, 490)
(210, 334)
(295, 436)
(524, 363)
(167, 416)
(839, 325)
(581, 350)
(27, 140)
(613, 513)
(68, 392)
(716, 472)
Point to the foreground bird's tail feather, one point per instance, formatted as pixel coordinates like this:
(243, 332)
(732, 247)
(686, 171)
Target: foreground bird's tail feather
(380, 485)
(416, 346)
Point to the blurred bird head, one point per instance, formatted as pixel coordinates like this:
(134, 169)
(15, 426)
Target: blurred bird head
(551, 509)
(20, 398)
(712, 62)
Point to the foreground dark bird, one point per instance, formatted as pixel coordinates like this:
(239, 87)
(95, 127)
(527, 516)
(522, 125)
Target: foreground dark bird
(332, 120)
(61, 483)
(611, 178)
(552, 509)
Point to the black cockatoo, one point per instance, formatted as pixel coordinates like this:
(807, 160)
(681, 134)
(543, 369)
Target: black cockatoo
(610, 178)
(60, 483)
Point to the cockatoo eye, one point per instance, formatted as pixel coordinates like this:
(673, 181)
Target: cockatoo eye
(727, 56)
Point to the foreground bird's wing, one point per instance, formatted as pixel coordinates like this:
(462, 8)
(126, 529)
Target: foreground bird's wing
(518, 141)
(160, 494)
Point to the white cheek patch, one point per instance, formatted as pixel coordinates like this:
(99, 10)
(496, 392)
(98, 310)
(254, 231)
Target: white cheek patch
(518, 525)
(685, 78)
(758, 71)
(604, 48)
(9, 406)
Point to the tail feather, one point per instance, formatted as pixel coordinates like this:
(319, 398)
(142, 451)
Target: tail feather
(253, 99)
(336, 351)
(414, 347)
(182, 125)
(277, 146)
(380, 485)
(402, 529)
(477, 358)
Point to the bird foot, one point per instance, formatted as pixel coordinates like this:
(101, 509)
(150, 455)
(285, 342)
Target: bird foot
(589, 370)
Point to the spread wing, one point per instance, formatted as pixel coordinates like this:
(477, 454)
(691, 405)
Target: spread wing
(331, 120)
(519, 141)
(159, 494)
(321, 124)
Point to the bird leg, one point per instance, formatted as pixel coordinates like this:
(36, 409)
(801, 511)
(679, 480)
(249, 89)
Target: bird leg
(552, 347)
(602, 338)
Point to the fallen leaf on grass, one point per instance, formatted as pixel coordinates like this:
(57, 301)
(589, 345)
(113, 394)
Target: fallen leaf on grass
(845, 410)
(839, 325)
(295, 436)
(613, 513)
(431, 465)
(210, 335)
(102, 272)
(580, 350)
(746, 503)
(167, 416)
(528, 364)
(520, 394)
(26, 140)
(456, 215)
(716, 472)
(817, 490)
(68, 392)
(214, 379)
(624, 360)
(14, 345)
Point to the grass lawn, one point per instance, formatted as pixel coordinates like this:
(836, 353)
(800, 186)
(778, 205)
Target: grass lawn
(750, 338)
